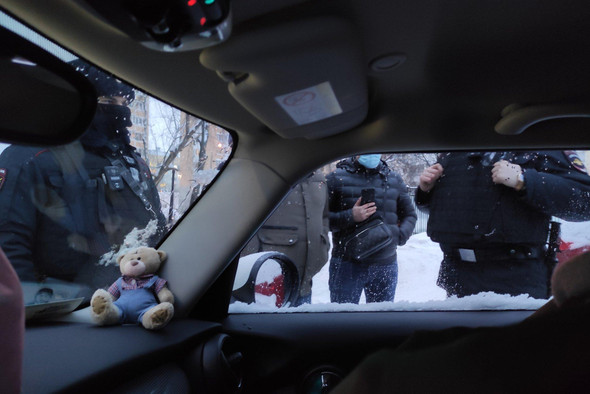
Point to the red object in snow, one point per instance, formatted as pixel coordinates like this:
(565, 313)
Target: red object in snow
(275, 287)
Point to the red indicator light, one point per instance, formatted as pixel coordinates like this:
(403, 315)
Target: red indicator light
(191, 3)
(203, 21)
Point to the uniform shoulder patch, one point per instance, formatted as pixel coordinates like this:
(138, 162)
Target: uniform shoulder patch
(575, 160)
(2, 176)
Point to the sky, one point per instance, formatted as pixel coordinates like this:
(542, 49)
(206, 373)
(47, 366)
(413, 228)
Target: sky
(159, 113)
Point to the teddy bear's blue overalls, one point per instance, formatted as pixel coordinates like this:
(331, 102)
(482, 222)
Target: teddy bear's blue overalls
(134, 303)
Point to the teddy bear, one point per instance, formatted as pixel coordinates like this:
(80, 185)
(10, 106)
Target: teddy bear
(139, 296)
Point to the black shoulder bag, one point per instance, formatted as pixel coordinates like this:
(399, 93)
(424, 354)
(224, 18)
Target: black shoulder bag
(368, 238)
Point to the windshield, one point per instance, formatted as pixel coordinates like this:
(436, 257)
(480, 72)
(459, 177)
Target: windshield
(67, 212)
(420, 231)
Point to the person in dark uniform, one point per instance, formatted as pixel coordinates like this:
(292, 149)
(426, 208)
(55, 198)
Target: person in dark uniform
(491, 211)
(62, 208)
(353, 270)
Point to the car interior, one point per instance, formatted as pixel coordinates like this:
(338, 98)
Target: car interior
(298, 84)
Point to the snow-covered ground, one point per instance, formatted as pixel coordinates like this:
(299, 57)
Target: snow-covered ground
(418, 263)
(576, 233)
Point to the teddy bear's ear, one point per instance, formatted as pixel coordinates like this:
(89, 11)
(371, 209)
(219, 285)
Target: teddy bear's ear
(162, 255)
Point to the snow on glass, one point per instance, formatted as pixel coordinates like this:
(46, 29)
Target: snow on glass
(136, 238)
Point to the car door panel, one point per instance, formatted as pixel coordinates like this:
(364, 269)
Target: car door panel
(282, 351)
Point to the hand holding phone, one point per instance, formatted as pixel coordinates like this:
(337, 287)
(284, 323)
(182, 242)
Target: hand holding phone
(360, 212)
(367, 196)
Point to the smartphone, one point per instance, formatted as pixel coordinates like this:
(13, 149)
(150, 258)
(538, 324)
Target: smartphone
(367, 196)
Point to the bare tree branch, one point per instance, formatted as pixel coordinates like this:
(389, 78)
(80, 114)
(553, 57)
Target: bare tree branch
(184, 139)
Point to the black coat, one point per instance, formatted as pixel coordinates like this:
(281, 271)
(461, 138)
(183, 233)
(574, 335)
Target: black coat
(391, 197)
(56, 221)
(467, 209)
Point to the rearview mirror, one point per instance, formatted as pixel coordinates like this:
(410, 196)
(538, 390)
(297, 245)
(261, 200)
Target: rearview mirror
(44, 101)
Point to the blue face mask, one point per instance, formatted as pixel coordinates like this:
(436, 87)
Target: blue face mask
(370, 161)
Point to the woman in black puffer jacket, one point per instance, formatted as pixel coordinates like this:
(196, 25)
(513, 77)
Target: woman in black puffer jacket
(376, 273)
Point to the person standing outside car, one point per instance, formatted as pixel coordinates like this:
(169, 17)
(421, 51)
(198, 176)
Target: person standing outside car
(62, 208)
(366, 234)
(299, 228)
(490, 212)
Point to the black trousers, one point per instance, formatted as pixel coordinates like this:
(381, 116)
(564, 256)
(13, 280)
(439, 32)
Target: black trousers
(506, 276)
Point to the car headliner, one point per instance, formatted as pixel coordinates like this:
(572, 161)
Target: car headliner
(465, 62)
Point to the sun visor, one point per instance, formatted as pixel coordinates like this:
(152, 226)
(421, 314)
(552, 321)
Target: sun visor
(304, 79)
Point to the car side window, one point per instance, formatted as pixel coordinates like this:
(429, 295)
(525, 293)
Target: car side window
(420, 231)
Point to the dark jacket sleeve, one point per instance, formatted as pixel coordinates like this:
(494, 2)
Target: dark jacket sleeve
(326, 228)
(422, 199)
(18, 212)
(339, 219)
(557, 189)
(406, 215)
(326, 220)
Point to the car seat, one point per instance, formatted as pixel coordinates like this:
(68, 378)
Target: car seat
(547, 352)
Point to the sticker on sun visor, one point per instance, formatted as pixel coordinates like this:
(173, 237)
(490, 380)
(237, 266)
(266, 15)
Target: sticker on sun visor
(311, 104)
